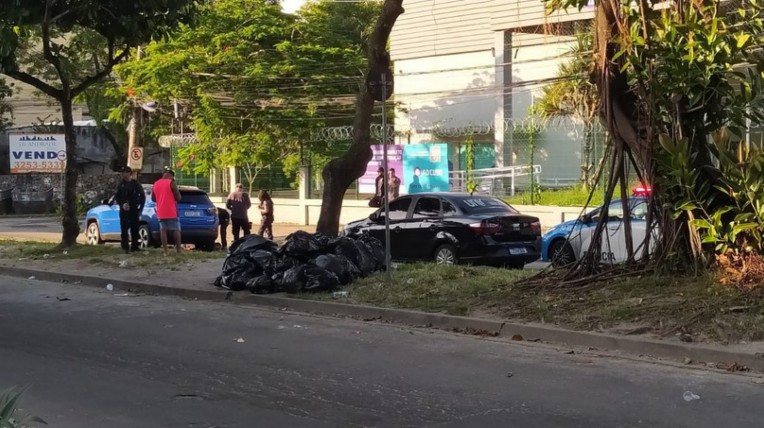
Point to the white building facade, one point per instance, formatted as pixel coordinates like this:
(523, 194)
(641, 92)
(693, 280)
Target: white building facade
(475, 67)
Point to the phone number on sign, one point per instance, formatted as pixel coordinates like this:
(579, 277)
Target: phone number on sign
(37, 166)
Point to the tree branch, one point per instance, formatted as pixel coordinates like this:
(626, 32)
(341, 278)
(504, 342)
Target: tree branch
(90, 80)
(34, 81)
(48, 52)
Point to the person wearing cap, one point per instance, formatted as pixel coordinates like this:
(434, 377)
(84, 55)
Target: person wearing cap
(130, 197)
(167, 195)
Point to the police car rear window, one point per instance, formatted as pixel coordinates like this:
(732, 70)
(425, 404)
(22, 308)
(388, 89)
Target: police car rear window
(194, 198)
(478, 204)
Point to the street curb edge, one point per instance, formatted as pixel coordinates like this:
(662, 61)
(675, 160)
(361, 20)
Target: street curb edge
(495, 328)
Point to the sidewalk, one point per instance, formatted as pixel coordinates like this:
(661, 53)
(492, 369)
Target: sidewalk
(48, 229)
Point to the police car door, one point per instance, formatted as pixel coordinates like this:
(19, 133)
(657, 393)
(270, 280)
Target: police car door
(614, 250)
(610, 249)
(638, 226)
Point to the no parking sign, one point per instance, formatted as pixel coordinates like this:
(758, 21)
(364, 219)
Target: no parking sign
(135, 159)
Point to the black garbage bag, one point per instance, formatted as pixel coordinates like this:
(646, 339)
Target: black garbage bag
(319, 279)
(376, 248)
(351, 270)
(252, 242)
(278, 282)
(294, 279)
(323, 241)
(238, 269)
(263, 258)
(338, 265)
(283, 262)
(300, 245)
(261, 285)
(344, 246)
(366, 262)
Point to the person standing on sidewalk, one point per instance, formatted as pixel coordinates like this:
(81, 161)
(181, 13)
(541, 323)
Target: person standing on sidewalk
(167, 195)
(225, 219)
(130, 197)
(393, 185)
(239, 204)
(266, 211)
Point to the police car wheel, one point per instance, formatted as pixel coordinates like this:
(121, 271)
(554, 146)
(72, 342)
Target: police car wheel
(561, 254)
(144, 237)
(93, 235)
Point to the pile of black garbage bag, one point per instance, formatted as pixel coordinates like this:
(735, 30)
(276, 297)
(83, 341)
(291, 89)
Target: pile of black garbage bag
(304, 263)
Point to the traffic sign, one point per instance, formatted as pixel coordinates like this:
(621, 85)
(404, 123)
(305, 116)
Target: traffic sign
(135, 160)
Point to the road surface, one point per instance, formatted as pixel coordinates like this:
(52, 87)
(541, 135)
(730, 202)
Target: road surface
(92, 358)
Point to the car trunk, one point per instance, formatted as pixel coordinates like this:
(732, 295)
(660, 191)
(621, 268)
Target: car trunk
(194, 209)
(515, 228)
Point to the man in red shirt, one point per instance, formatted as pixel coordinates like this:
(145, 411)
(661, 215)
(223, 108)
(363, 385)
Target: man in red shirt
(167, 195)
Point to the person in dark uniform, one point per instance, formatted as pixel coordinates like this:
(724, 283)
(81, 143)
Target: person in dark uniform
(130, 197)
(225, 219)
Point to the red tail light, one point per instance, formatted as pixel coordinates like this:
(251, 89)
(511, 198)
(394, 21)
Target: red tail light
(536, 227)
(485, 228)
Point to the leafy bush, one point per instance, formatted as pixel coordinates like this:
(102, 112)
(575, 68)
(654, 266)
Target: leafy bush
(728, 218)
(9, 417)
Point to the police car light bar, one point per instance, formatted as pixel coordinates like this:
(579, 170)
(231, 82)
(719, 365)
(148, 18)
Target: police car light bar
(641, 191)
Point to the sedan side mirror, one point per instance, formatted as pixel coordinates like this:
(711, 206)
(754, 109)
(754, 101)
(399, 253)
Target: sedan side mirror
(106, 202)
(374, 216)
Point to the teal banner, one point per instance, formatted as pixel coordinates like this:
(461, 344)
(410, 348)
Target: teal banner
(425, 168)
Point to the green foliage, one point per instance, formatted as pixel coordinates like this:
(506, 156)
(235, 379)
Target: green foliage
(569, 197)
(527, 133)
(9, 414)
(694, 73)
(738, 226)
(574, 96)
(255, 82)
(6, 112)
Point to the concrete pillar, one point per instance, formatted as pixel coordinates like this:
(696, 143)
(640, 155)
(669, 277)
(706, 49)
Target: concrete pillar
(232, 177)
(214, 182)
(502, 76)
(304, 195)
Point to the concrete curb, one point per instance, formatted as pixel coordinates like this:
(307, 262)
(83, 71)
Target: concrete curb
(534, 332)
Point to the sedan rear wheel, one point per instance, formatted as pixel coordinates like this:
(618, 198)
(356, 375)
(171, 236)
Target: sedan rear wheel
(93, 235)
(445, 255)
(561, 254)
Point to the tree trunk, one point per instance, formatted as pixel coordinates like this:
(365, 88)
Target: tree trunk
(70, 223)
(340, 173)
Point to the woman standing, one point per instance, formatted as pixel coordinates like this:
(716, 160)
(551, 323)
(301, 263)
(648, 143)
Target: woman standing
(266, 211)
(238, 203)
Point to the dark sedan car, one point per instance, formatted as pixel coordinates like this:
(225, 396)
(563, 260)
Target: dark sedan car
(455, 227)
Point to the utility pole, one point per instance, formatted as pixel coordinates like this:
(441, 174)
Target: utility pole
(135, 117)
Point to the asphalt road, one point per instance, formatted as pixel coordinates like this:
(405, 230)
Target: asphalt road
(104, 360)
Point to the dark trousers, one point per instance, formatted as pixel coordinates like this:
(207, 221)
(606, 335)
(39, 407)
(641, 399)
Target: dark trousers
(130, 221)
(238, 224)
(224, 234)
(266, 227)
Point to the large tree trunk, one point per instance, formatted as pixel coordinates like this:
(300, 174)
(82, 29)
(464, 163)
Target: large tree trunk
(340, 173)
(70, 223)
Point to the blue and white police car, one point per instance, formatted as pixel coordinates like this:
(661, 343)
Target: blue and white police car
(568, 242)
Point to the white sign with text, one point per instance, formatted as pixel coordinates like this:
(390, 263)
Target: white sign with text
(37, 153)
